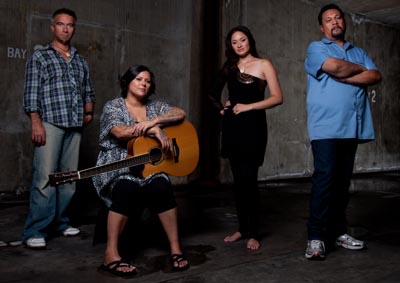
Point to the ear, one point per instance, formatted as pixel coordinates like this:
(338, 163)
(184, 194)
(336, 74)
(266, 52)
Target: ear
(321, 28)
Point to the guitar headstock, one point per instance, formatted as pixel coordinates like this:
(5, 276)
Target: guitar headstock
(63, 177)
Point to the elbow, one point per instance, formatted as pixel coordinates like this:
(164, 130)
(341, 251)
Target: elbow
(179, 115)
(118, 136)
(175, 114)
(183, 114)
(279, 101)
(378, 77)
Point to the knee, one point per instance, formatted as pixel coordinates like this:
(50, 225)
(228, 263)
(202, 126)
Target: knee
(161, 187)
(162, 196)
(124, 197)
(124, 189)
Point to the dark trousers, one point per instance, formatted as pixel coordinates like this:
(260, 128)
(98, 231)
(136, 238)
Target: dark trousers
(333, 168)
(247, 196)
(129, 199)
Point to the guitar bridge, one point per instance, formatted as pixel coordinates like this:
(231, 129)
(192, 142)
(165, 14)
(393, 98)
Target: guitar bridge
(175, 150)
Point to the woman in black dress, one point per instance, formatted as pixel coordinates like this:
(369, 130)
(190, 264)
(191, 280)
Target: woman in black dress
(244, 125)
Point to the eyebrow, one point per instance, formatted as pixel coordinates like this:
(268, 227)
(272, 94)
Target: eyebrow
(239, 38)
(142, 78)
(64, 23)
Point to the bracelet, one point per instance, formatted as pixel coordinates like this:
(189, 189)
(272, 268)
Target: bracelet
(89, 113)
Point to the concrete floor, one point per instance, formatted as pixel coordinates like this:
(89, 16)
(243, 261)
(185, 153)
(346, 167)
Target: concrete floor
(207, 215)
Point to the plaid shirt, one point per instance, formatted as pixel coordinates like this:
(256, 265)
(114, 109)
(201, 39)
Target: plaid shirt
(57, 89)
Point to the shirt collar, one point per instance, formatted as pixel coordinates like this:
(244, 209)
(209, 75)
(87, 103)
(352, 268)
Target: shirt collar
(73, 50)
(347, 45)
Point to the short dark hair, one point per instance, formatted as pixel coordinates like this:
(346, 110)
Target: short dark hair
(132, 73)
(64, 11)
(329, 7)
(231, 57)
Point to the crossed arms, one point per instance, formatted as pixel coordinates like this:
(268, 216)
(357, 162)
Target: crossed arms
(351, 73)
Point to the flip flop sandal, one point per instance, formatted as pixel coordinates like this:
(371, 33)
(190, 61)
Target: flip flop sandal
(114, 269)
(177, 258)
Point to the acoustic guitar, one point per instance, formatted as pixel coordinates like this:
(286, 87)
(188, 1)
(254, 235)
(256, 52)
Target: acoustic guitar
(147, 151)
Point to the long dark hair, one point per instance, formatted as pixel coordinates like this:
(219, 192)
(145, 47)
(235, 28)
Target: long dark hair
(132, 73)
(231, 57)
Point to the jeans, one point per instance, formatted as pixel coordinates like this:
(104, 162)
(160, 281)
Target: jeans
(48, 204)
(333, 168)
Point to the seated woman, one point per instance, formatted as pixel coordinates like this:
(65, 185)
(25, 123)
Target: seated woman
(124, 192)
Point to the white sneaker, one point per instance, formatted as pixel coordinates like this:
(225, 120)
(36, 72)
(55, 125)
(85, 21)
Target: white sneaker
(71, 231)
(348, 242)
(315, 250)
(36, 243)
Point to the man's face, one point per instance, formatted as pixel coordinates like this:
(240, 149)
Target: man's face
(63, 28)
(333, 25)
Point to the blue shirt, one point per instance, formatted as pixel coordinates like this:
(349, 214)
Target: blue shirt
(336, 110)
(57, 89)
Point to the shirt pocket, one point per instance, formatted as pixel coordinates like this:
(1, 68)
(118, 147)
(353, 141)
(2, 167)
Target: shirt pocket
(53, 72)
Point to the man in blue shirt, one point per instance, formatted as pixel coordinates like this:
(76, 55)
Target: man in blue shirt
(339, 118)
(59, 100)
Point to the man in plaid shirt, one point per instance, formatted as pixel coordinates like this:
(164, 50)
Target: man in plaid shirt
(59, 100)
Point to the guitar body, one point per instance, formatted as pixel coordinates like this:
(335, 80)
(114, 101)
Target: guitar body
(181, 162)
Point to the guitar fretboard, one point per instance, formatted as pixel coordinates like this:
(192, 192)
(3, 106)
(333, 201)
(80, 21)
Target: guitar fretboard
(129, 162)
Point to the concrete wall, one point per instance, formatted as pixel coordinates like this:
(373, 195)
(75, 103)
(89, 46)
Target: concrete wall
(111, 35)
(178, 41)
(283, 29)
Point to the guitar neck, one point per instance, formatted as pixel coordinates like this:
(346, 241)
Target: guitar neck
(154, 155)
(129, 162)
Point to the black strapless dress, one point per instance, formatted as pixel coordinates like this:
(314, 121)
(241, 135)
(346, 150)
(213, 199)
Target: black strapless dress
(244, 136)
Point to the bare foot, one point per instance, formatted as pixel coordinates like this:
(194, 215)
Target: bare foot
(233, 238)
(253, 244)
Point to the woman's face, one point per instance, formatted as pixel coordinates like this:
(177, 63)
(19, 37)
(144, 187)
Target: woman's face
(140, 85)
(240, 43)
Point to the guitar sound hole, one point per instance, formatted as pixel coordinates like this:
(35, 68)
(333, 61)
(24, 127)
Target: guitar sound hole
(155, 155)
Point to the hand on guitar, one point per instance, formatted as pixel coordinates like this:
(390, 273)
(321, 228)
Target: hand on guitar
(149, 128)
(166, 142)
(141, 128)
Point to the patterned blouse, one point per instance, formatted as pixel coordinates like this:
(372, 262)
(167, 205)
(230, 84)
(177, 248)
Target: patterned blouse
(115, 113)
